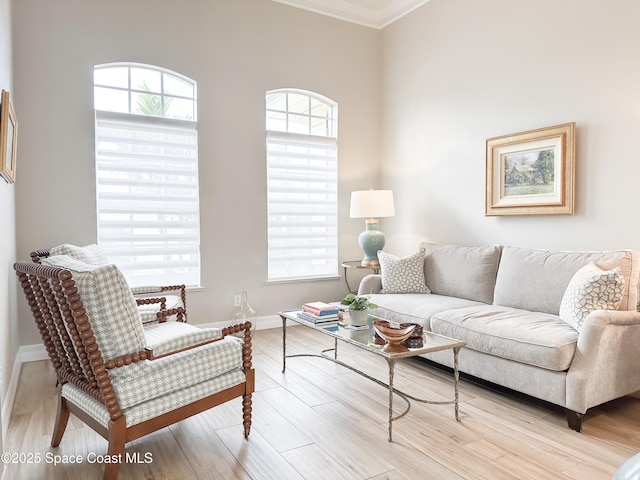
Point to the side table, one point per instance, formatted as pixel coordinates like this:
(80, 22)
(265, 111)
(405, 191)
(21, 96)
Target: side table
(358, 265)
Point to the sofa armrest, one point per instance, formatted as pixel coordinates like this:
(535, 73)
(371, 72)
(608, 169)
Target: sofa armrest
(370, 284)
(600, 322)
(606, 365)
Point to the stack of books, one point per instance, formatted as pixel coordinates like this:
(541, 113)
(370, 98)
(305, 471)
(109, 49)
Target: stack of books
(319, 313)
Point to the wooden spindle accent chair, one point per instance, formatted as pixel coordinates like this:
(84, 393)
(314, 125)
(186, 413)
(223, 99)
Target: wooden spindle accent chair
(152, 307)
(122, 379)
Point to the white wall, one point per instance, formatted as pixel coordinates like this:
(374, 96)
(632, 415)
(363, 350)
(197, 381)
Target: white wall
(236, 50)
(8, 320)
(436, 84)
(456, 72)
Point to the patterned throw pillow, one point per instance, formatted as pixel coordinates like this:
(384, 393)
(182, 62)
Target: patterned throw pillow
(109, 304)
(92, 254)
(403, 275)
(591, 289)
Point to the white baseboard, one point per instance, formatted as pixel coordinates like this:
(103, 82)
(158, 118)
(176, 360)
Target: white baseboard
(262, 323)
(33, 353)
(28, 353)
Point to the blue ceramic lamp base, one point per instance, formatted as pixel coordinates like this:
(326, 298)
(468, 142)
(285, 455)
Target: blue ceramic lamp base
(371, 240)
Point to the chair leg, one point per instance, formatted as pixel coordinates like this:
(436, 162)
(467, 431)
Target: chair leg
(62, 417)
(246, 414)
(117, 435)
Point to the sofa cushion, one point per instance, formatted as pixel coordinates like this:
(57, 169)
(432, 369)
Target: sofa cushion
(403, 275)
(537, 279)
(465, 272)
(591, 288)
(415, 308)
(539, 339)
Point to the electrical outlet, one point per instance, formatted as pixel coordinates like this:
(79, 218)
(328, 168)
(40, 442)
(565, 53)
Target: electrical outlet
(237, 300)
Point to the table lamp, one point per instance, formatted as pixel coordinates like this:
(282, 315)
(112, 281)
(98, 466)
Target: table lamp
(371, 205)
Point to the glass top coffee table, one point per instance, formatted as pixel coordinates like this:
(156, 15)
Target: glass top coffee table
(363, 338)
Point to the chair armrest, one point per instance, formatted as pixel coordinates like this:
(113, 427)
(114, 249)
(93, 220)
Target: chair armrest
(162, 316)
(150, 300)
(146, 289)
(144, 296)
(245, 328)
(141, 290)
(371, 283)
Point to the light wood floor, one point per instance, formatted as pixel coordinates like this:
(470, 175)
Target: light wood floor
(322, 421)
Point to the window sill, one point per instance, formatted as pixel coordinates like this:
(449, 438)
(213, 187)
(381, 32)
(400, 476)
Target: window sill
(304, 279)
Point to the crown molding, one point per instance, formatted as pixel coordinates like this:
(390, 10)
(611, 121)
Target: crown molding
(352, 11)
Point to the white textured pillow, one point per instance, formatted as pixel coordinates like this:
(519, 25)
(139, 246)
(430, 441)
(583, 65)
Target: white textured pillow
(403, 275)
(591, 289)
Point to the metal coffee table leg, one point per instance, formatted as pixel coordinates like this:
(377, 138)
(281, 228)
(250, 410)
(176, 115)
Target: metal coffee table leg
(392, 365)
(284, 343)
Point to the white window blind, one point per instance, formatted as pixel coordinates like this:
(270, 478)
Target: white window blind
(147, 197)
(302, 206)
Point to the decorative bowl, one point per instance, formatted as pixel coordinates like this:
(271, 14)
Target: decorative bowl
(393, 335)
(415, 340)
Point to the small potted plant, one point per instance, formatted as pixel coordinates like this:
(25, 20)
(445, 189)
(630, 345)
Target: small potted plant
(358, 308)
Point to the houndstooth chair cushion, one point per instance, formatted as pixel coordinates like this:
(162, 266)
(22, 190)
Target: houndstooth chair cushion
(157, 406)
(169, 337)
(109, 304)
(145, 380)
(92, 254)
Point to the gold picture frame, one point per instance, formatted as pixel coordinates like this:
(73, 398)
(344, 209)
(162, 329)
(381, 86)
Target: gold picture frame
(532, 173)
(8, 138)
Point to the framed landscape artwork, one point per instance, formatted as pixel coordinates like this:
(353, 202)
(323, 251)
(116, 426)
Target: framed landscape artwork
(8, 138)
(532, 173)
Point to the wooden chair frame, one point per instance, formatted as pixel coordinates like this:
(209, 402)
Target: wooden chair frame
(71, 345)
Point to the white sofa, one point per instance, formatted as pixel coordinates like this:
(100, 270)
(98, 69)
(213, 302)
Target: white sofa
(504, 302)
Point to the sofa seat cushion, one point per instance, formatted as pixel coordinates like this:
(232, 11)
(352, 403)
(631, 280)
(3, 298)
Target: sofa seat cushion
(415, 308)
(539, 339)
(136, 383)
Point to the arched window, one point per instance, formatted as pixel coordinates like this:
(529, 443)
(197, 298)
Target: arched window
(147, 173)
(302, 185)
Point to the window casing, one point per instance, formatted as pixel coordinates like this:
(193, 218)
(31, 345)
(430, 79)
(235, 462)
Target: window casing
(147, 173)
(302, 185)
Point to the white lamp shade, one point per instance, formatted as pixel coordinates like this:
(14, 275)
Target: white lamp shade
(372, 204)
